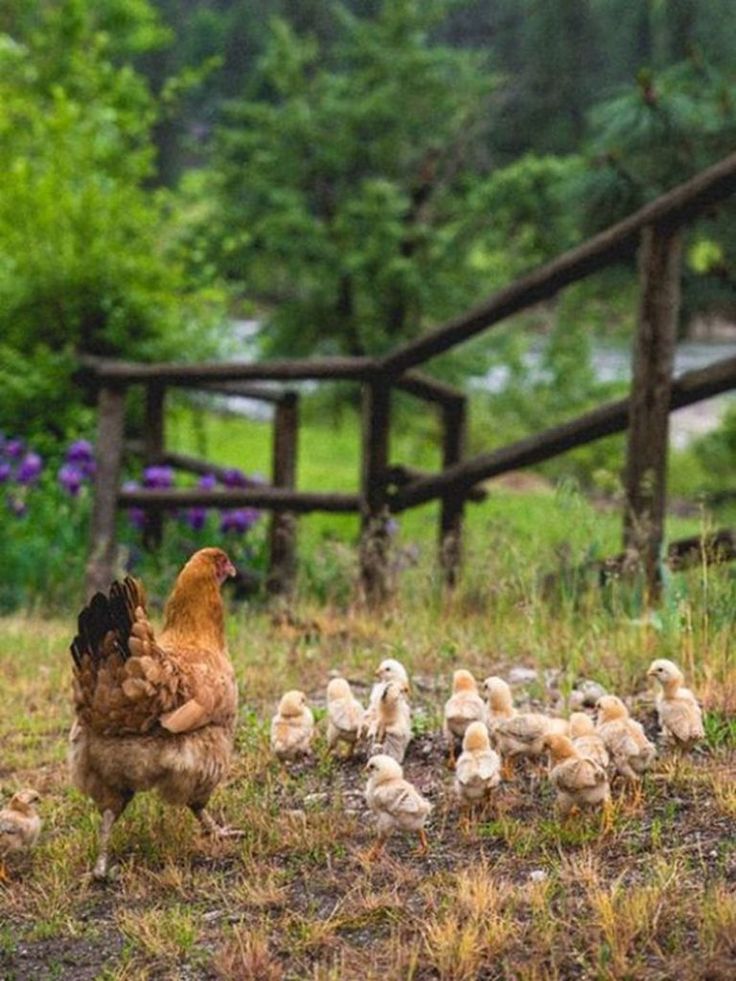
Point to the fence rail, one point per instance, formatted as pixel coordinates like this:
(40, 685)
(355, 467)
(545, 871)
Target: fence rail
(387, 486)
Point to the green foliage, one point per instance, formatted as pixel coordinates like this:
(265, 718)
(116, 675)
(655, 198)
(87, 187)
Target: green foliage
(343, 187)
(84, 266)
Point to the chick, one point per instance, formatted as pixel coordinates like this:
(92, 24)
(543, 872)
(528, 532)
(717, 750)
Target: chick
(630, 750)
(344, 715)
(292, 727)
(393, 729)
(462, 707)
(579, 781)
(394, 801)
(20, 826)
(517, 733)
(388, 670)
(478, 769)
(586, 740)
(680, 717)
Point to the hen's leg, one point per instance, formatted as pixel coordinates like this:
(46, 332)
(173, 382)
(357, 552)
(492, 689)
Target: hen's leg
(102, 865)
(210, 826)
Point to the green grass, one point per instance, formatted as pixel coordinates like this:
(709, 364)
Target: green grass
(296, 896)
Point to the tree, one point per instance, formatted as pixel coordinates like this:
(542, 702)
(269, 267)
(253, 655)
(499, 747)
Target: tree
(342, 183)
(84, 266)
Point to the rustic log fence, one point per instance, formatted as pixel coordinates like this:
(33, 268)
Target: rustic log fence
(655, 229)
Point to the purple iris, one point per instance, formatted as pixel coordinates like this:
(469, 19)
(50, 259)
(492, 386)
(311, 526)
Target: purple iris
(70, 478)
(136, 516)
(158, 478)
(196, 517)
(29, 469)
(13, 449)
(236, 478)
(5, 471)
(82, 455)
(238, 520)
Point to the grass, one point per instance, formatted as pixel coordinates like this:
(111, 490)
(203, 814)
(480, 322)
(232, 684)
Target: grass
(517, 894)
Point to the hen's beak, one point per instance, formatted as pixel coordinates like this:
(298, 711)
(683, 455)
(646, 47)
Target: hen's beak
(230, 570)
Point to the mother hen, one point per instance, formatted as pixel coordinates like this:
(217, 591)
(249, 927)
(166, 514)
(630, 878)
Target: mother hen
(154, 712)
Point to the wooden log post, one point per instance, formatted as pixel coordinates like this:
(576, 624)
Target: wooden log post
(109, 454)
(374, 538)
(154, 447)
(453, 503)
(648, 433)
(282, 531)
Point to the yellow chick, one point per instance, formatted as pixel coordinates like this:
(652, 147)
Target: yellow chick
(478, 769)
(586, 740)
(344, 715)
(680, 717)
(462, 707)
(292, 727)
(578, 780)
(396, 803)
(630, 750)
(518, 733)
(20, 826)
(388, 670)
(393, 729)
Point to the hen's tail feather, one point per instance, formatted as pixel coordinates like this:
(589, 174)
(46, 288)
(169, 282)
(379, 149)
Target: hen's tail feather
(105, 615)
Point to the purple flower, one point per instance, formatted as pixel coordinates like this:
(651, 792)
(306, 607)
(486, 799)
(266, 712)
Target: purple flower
(136, 516)
(29, 468)
(207, 482)
(70, 478)
(81, 453)
(14, 449)
(158, 478)
(236, 478)
(196, 518)
(5, 470)
(238, 520)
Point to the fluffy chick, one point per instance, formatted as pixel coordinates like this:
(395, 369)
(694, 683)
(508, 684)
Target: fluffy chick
(393, 729)
(680, 717)
(344, 715)
(388, 670)
(586, 740)
(478, 769)
(292, 727)
(518, 733)
(630, 750)
(396, 803)
(462, 707)
(20, 826)
(578, 780)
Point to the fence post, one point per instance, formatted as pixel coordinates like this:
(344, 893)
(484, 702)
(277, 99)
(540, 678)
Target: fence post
(653, 361)
(154, 442)
(282, 531)
(454, 417)
(109, 453)
(374, 545)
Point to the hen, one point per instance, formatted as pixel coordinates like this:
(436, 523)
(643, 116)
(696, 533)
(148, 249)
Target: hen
(154, 712)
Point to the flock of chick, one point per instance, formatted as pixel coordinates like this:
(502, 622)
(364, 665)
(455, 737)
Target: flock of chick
(584, 754)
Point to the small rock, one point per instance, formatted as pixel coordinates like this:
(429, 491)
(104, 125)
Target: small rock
(521, 675)
(591, 691)
(537, 875)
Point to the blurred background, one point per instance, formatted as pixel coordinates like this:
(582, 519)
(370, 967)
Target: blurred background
(229, 179)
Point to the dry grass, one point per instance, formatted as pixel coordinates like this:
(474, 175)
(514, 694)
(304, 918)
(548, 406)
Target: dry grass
(517, 895)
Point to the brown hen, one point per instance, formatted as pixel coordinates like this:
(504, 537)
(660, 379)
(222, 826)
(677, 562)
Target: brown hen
(154, 712)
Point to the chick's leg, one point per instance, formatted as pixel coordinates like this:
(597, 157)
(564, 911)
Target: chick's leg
(423, 843)
(4, 876)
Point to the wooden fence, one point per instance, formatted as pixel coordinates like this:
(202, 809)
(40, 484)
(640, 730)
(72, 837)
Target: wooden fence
(385, 487)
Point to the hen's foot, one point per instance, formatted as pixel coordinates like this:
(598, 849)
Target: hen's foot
(211, 827)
